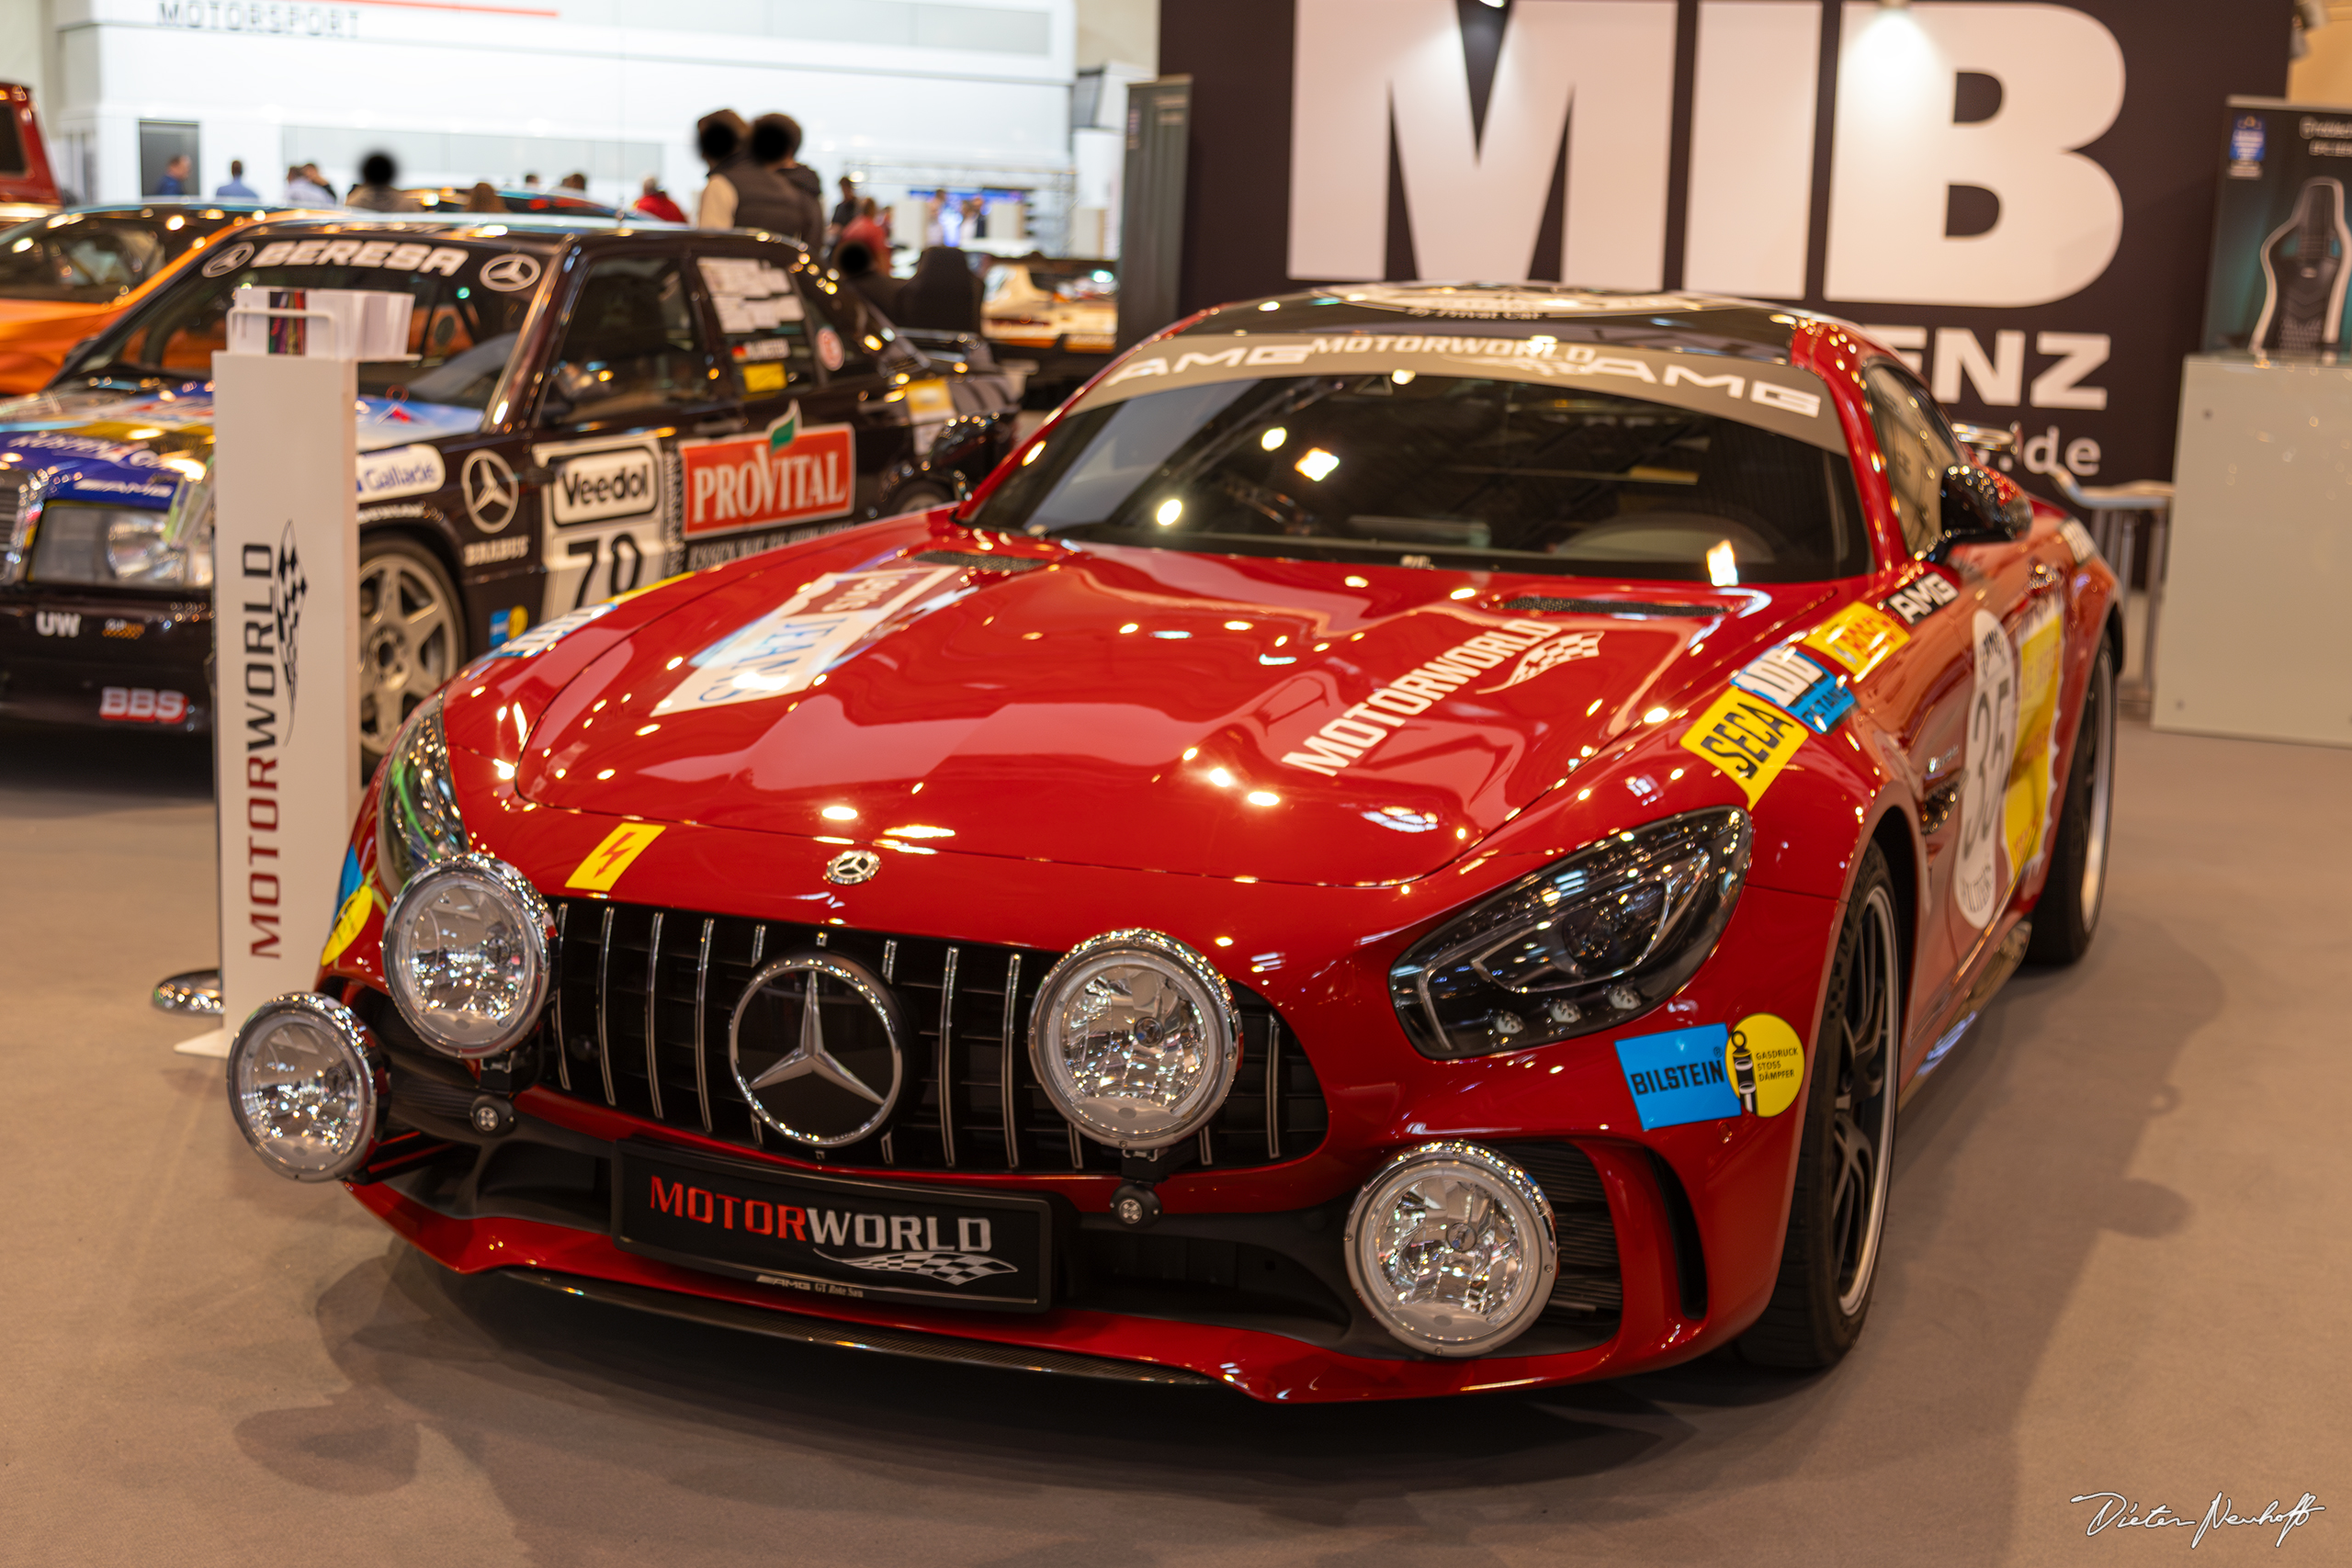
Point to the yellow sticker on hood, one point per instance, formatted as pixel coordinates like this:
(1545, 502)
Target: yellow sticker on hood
(1746, 737)
(609, 859)
(1858, 637)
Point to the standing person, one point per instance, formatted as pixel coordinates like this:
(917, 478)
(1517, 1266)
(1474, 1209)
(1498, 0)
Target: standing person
(867, 230)
(801, 215)
(943, 294)
(575, 181)
(484, 197)
(845, 209)
(176, 175)
(308, 184)
(375, 193)
(655, 202)
(237, 188)
(718, 137)
(530, 182)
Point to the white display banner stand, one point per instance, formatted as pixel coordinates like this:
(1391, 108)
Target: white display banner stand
(286, 640)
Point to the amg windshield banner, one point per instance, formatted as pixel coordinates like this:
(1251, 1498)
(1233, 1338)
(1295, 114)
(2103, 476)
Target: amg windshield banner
(2014, 196)
(285, 646)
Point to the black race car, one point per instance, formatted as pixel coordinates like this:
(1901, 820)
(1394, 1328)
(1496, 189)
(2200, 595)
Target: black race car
(590, 407)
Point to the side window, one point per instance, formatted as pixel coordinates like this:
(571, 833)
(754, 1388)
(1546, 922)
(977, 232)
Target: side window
(855, 336)
(761, 322)
(630, 350)
(115, 259)
(1918, 449)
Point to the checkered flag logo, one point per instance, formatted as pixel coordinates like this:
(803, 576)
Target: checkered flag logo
(951, 1268)
(1549, 655)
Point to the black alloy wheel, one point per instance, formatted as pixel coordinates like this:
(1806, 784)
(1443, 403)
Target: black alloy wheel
(2066, 917)
(1837, 1213)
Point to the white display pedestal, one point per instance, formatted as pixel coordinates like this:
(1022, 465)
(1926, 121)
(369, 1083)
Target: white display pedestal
(286, 636)
(2252, 642)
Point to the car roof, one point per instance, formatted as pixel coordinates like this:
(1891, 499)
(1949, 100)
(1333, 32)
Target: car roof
(538, 230)
(1676, 320)
(163, 206)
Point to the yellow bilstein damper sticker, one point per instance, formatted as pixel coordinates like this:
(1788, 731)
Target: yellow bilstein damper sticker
(1766, 1063)
(609, 859)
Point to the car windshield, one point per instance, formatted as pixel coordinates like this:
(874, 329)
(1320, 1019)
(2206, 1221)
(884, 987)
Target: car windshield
(90, 258)
(461, 332)
(1443, 470)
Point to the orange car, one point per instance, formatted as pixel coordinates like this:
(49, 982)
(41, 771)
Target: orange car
(68, 275)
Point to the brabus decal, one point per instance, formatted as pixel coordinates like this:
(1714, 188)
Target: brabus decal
(1538, 645)
(1922, 597)
(790, 648)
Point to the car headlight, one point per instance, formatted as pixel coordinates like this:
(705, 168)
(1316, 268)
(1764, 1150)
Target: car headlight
(1599, 938)
(302, 1085)
(418, 821)
(106, 546)
(1135, 1039)
(1452, 1248)
(466, 955)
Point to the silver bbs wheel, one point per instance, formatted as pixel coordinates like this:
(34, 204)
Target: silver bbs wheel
(410, 639)
(1869, 1040)
(2098, 737)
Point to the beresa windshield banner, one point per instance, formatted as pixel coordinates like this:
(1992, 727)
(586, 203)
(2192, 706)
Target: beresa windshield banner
(757, 481)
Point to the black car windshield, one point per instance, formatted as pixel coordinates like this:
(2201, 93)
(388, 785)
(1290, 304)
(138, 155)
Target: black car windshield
(462, 329)
(1425, 470)
(89, 258)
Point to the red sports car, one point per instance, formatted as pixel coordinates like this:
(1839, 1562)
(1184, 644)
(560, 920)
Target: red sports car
(1411, 840)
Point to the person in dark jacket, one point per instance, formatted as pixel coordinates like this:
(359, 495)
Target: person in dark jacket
(375, 192)
(774, 139)
(742, 194)
(943, 294)
(879, 288)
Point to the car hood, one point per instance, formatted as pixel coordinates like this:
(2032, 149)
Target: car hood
(21, 313)
(1133, 708)
(105, 443)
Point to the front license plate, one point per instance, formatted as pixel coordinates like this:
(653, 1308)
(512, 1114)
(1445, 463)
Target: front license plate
(833, 1236)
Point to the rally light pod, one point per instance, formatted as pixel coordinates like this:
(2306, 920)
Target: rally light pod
(466, 954)
(305, 1084)
(1135, 1039)
(1452, 1248)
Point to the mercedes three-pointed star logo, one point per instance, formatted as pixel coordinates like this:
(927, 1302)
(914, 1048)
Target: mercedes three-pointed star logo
(838, 1078)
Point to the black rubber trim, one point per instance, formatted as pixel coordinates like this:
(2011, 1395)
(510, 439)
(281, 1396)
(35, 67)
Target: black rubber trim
(856, 1335)
(1690, 1257)
(975, 560)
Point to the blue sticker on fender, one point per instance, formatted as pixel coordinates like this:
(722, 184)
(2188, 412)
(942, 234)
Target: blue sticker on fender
(1784, 675)
(1678, 1077)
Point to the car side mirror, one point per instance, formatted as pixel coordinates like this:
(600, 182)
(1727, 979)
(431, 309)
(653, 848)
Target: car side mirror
(1981, 508)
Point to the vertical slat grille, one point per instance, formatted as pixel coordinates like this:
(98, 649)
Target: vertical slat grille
(649, 1000)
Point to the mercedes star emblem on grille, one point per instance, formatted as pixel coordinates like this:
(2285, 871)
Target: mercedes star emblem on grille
(815, 1047)
(852, 866)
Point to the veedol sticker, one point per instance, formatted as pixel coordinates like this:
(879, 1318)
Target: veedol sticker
(1977, 883)
(1538, 645)
(787, 648)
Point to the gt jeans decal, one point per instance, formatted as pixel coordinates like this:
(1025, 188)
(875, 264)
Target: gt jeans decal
(1346, 739)
(1683, 1075)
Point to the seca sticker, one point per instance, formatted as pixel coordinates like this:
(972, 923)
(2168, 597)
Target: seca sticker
(1977, 883)
(1858, 637)
(1766, 1061)
(1748, 738)
(604, 863)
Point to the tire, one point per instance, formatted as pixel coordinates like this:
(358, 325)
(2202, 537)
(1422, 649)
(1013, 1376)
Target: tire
(411, 636)
(920, 496)
(1837, 1213)
(2068, 916)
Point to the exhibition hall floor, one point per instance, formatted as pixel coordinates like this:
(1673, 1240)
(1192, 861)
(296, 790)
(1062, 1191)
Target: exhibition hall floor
(2117, 1262)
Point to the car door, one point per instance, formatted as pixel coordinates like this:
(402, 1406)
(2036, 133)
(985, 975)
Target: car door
(1954, 694)
(883, 387)
(634, 377)
(789, 471)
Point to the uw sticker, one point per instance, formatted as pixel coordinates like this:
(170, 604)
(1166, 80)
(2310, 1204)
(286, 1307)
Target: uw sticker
(604, 863)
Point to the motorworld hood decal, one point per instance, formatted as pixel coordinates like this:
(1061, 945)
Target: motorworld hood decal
(1778, 398)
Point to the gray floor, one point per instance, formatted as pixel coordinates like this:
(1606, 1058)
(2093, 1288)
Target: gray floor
(2117, 1262)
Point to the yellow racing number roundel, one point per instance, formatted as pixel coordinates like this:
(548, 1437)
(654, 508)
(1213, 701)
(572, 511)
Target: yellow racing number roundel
(1766, 1061)
(1858, 637)
(609, 859)
(1746, 737)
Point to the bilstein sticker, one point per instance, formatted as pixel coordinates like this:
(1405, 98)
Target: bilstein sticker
(609, 859)
(1746, 737)
(1766, 1061)
(1858, 637)
(1683, 1075)
(1346, 741)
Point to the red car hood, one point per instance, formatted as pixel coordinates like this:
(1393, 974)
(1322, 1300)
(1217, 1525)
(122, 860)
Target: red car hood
(1143, 709)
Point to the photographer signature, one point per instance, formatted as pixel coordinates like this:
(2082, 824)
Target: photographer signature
(2116, 1509)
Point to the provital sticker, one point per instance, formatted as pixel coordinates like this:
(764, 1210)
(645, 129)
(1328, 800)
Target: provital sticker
(1680, 1076)
(1766, 1061)
(609, 859)
(1977, 883)
(1784, 675)
(1746, 737)
(1858, 637)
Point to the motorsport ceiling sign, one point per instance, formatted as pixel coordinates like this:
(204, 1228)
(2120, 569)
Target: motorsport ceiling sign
(2013, 194)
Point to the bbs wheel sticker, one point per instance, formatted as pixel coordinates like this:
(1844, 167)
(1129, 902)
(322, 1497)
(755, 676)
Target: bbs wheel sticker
(230, 260)
(1977, 881)
(510, 273)
(490, 491)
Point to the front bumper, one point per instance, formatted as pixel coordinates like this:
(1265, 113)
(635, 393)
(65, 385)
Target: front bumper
(88, 656)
